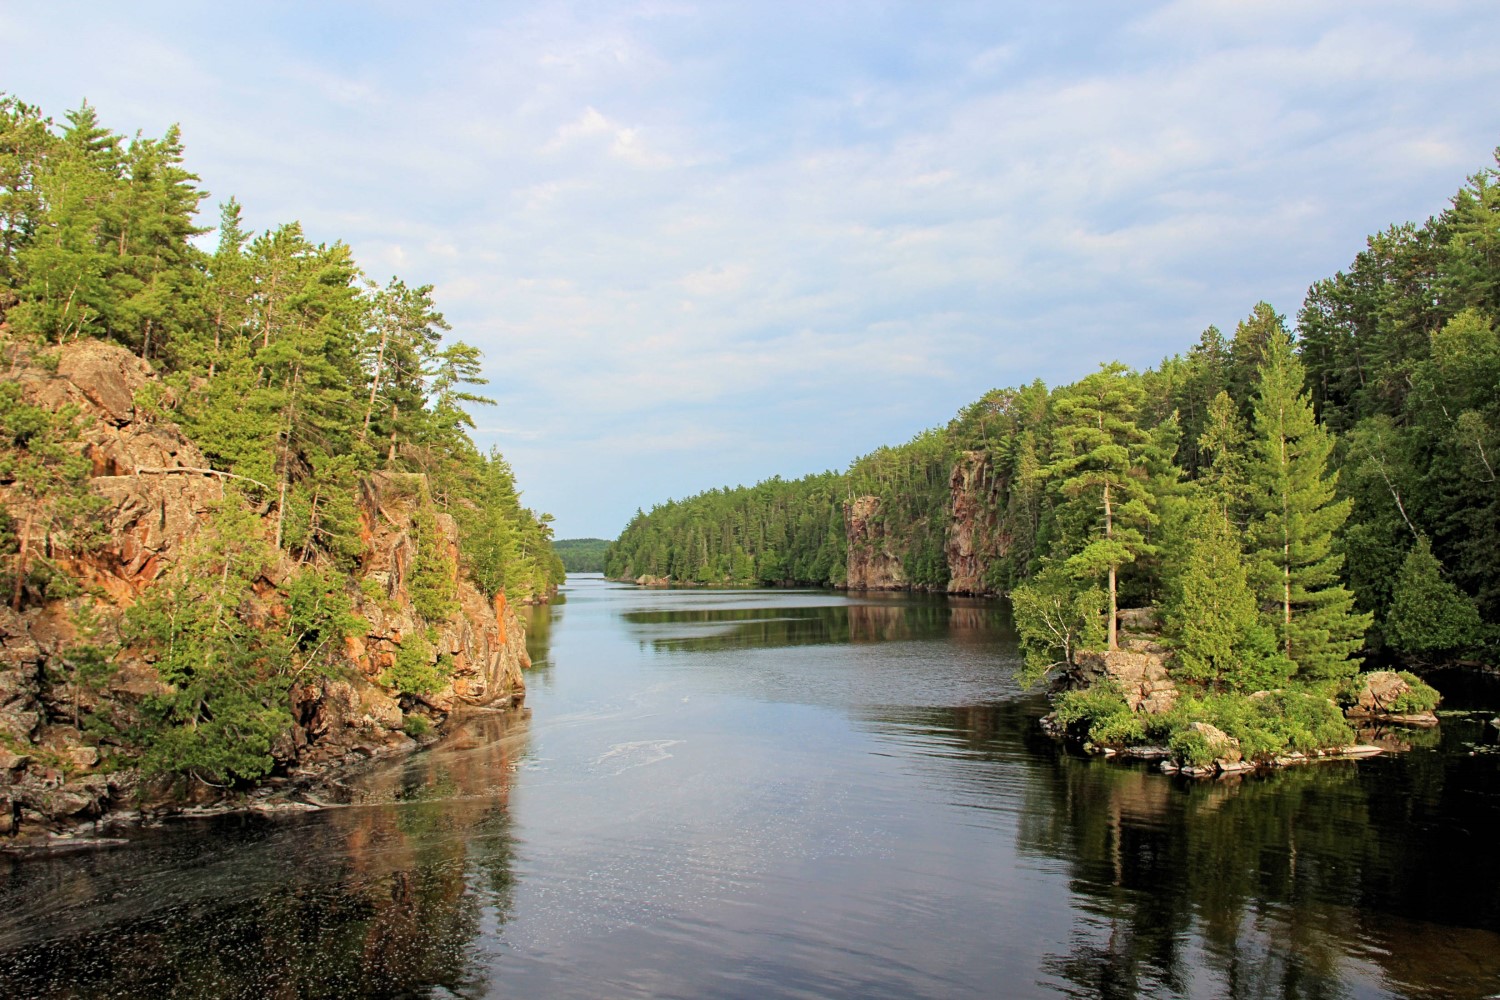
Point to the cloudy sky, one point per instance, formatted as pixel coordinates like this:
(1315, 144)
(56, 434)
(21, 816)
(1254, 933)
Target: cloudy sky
(706, 243)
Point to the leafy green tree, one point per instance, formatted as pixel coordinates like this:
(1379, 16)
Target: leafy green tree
(1055, 619)
(1430, 618)
(1295, 566)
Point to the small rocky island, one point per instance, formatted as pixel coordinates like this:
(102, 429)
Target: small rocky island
(1126, 703)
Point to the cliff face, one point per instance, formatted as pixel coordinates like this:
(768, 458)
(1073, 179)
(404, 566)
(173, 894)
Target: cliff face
(873, 563)
(157, 495)
(976, 534)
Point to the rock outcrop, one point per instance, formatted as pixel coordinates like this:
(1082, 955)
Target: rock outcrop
(1384, 696)
(873, 562)
(1141, 675)
(158, 492)
(976, 536)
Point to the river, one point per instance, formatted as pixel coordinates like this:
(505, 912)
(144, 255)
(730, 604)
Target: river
(794, 794)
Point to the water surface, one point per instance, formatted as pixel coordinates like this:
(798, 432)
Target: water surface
(803, 794)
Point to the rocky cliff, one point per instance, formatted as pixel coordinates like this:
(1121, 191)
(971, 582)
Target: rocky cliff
(874, 562)
(155, 494)
(976, 534)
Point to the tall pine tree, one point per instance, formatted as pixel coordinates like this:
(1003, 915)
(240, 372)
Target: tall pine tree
(1100, 466)
(1295, 568)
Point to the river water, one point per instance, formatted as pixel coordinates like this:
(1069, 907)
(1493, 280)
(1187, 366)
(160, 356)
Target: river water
(799, 794)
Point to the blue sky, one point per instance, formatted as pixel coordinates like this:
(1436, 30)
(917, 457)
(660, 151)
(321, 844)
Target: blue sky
(704, 244)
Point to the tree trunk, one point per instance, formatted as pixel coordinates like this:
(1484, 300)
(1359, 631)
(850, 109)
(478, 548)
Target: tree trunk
(22, 553)
(1114, 625)
(375, 384)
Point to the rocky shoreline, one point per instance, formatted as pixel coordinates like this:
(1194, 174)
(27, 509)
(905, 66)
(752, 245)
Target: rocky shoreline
(60, 772)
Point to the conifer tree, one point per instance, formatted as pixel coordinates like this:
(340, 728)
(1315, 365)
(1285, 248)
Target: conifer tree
(1430, 618)
(1099, 464)
(1211, 612)
(1222, 447)
(1295, 568)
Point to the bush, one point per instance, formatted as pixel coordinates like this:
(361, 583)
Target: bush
(1100, 711)
(1265, 726)
(415, 670)
(1190, 748)
(416, 725)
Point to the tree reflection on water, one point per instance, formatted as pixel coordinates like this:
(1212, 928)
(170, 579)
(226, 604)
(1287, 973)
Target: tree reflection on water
(384, 897)
(1307, 882)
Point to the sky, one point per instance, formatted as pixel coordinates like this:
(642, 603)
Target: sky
(703, 244)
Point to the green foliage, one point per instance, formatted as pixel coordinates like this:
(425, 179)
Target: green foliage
(415, 726)
(1295, 566)
(1265, 725)
(584, 555)
(1099, 466)
(1429, 617)
(227, 673)
(1101, 714)
(911, 483)
(1420, 696)
(320, 614)
(1190, 748)
(431, 585)
(776, 532)
(416, 670)
(1055, 619)
(1210, 613)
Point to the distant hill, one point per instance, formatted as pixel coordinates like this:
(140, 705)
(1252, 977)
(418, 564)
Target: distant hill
(581, 555)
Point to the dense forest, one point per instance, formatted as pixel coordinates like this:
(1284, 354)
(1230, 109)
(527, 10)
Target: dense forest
(581, 555)
(1291, 497)
(300, 380)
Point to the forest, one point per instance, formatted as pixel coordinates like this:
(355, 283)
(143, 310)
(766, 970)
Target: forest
(581, 555)
(298, 377)
(1293, 497)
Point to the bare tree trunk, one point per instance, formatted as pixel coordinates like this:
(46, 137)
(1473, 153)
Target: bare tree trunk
(1114, 625)
(375, 383)
(22, 555)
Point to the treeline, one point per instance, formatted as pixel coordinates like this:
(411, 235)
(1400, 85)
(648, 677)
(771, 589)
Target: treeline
(1361, 447)
(297, 377)
(581, 555)
(778, 532)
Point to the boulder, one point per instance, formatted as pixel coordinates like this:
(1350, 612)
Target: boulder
(1380, 691)
(1139, 620)
(107, 374)
(1141, 676)
(1226, 749)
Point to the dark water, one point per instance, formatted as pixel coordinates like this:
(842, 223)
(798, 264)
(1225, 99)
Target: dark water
(771, 793)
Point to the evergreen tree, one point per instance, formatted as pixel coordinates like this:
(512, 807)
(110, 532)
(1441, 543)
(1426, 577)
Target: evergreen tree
(1099, 465)
(1295, 568)
(1429, 617)
(1211, 612)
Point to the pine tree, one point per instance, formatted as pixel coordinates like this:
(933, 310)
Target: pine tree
(1211, 613)
(1295, 568)
(1099, 464)
(1430, 618)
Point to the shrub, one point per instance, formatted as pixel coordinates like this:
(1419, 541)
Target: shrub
(1101, 712)
(415, 670)
(1190, 748)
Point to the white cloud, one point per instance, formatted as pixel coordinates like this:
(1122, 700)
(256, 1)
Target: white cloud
(678, 234)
